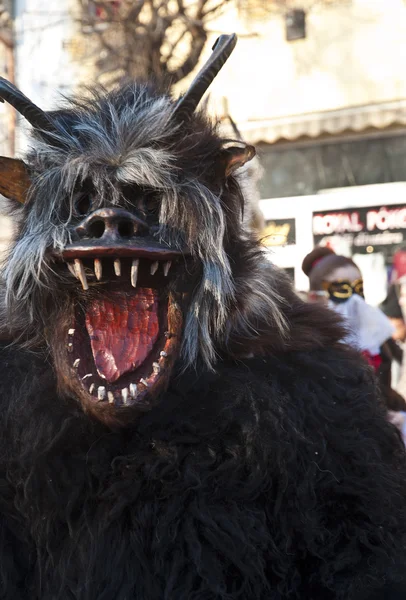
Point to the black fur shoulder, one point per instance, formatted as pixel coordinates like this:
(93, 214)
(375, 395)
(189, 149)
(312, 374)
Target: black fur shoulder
(280, 466)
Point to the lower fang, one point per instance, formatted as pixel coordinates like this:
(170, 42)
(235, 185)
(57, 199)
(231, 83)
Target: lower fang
(133, 390)
(76, 363)
(110, 396)
(117, 267)
(154, 267)
(86, 376)
(101, 392)
(144, 382)
(91, 388)
(124, 394)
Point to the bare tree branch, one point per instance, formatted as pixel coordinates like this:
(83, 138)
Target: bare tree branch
(147, 38)
(214, 10)
(160, 39)
(190, 62)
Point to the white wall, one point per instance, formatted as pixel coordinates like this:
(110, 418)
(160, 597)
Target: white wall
(354, 54)
(44, 68)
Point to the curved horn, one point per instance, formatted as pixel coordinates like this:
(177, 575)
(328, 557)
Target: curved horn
(222, 49)
(34, 115)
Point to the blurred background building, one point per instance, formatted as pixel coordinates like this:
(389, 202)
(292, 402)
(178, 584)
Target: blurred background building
(318, 86)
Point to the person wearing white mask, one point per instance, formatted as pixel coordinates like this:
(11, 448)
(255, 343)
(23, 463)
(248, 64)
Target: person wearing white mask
(337, 281)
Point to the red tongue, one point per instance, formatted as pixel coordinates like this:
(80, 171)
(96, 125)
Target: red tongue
(122, 331)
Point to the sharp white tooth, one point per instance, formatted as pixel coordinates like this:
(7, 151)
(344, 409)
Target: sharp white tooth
(86, 376)
(117, 267)
(124, 394)
(167, 266)
(71, 332)
(80, 273)
(144, 382)
(133, 390)
(134, 272)
(101, 392)
(72, 269)
(70, 347)
(156, 367)
(154, 267)
(98, 268)
(76, 363)
(110, 396)
(163, 353)
(91, 388)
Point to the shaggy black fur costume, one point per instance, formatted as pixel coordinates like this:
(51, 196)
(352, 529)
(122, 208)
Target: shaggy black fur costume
(275, 478)
(175, 424)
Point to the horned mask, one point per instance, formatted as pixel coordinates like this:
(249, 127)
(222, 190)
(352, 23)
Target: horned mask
(123, 259)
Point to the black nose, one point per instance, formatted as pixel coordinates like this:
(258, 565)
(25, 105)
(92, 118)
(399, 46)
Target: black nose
(111, 224)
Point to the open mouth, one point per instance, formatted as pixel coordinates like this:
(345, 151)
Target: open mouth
(126, 330)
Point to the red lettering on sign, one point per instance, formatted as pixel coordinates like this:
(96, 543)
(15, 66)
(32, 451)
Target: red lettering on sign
(386, 218)
(337, 223)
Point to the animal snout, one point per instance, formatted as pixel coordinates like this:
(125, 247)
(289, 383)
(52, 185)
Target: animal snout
(111, 223)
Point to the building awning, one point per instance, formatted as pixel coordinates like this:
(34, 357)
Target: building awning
(329, 122)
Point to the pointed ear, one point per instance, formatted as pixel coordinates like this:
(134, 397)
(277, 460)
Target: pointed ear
(14, 179)
(235, 157)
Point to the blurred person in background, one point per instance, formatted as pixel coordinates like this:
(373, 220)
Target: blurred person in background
(337, 281)
(394, 307)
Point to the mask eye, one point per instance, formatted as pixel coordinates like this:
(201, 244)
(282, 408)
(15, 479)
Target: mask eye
(82, 203)
(151, 204)
(145, 200)
(148, 204)
(338, 290)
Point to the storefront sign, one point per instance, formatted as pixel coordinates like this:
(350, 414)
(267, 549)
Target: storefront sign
(279, 232)
(364, 229)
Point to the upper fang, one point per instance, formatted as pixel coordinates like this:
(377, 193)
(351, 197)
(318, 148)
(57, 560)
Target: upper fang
(71, 269)
(134, 272)
(80, 273)
(117, 267)
(98, 268)
(167, 266)
(154, 267)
